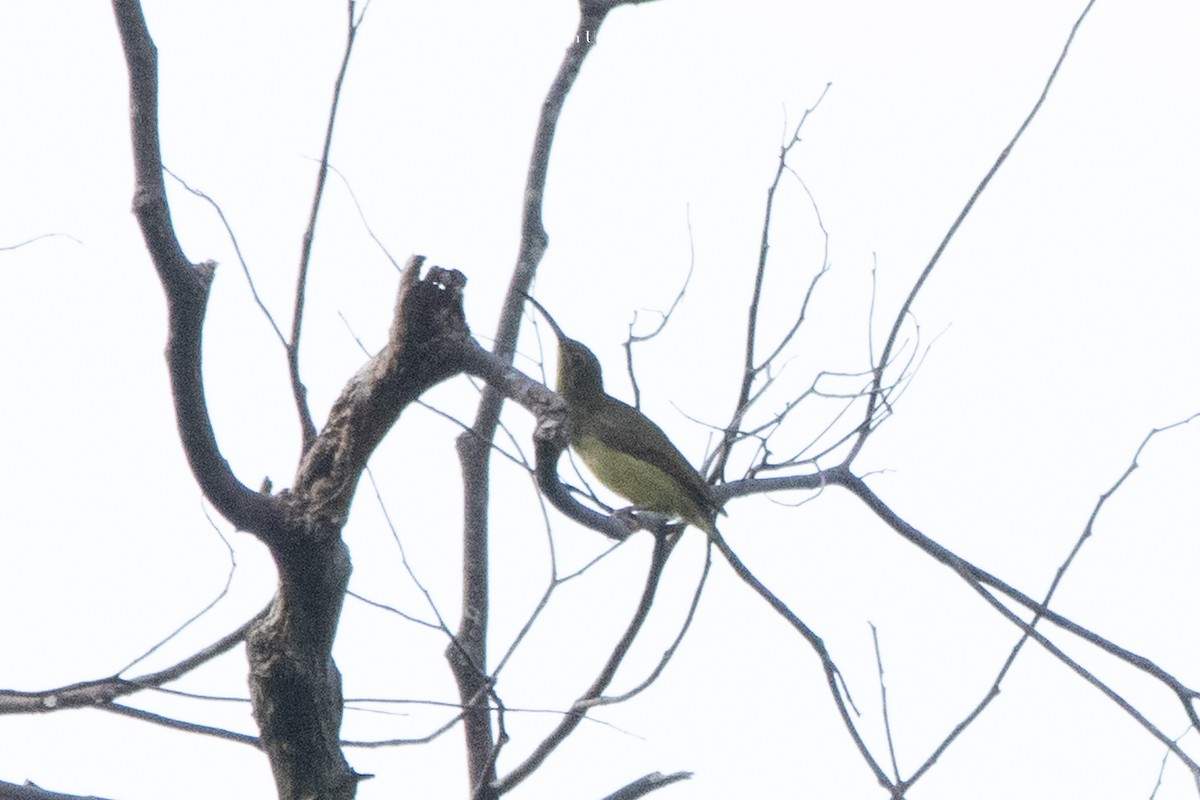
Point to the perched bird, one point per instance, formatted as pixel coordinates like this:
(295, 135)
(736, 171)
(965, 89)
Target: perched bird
(621, 446)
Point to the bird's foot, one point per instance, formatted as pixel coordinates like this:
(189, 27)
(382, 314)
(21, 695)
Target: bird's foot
(629, 518)
(638, 519)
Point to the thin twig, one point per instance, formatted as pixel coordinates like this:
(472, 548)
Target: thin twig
(307, 429)
(670, 651)
(883, 702)
(181, 725)
(665, 317)
(833, 675)
(994, 690)
(550, 743)
(362, 216)
(1104, 498)
(903, 313)
(211, 604)
(412, 575)
(237, 249)
(87, 694)
(750, 368)
(38, 238)
(983, 581)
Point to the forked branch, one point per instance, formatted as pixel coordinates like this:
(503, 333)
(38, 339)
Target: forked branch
(186, 286)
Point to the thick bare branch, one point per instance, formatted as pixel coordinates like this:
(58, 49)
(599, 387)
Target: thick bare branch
(647, 784)
(426, 345)
(295, 686)
(186, 286)
(987, 585)
(474, 446)
(994, 690)
(89, 694)
(30, 791)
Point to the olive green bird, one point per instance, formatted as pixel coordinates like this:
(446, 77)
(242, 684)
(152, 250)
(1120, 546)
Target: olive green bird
(622, 447)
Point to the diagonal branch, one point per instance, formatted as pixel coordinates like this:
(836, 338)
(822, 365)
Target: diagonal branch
(31, 791)
(182, 725)
(658, 561)
(307, 429)
(669, 653)
(186, 286)
(832, 674)
(38, 238)
(987, 585)
(994, 690)
(647, 784)
(876, 394)
(89, 694)
(237, 249)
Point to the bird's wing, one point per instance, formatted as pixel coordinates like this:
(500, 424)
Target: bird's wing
(653, 447)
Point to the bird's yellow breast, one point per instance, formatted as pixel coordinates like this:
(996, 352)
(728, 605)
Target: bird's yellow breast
(641, 483)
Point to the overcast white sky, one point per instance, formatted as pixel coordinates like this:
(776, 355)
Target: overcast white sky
(1061, 327)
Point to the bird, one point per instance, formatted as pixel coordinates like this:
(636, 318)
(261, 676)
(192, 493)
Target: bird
(623, 447)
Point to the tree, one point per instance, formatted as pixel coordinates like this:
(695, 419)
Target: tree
(785, 426)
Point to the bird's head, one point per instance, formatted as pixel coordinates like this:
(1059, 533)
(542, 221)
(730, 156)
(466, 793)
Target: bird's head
(579, 375)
